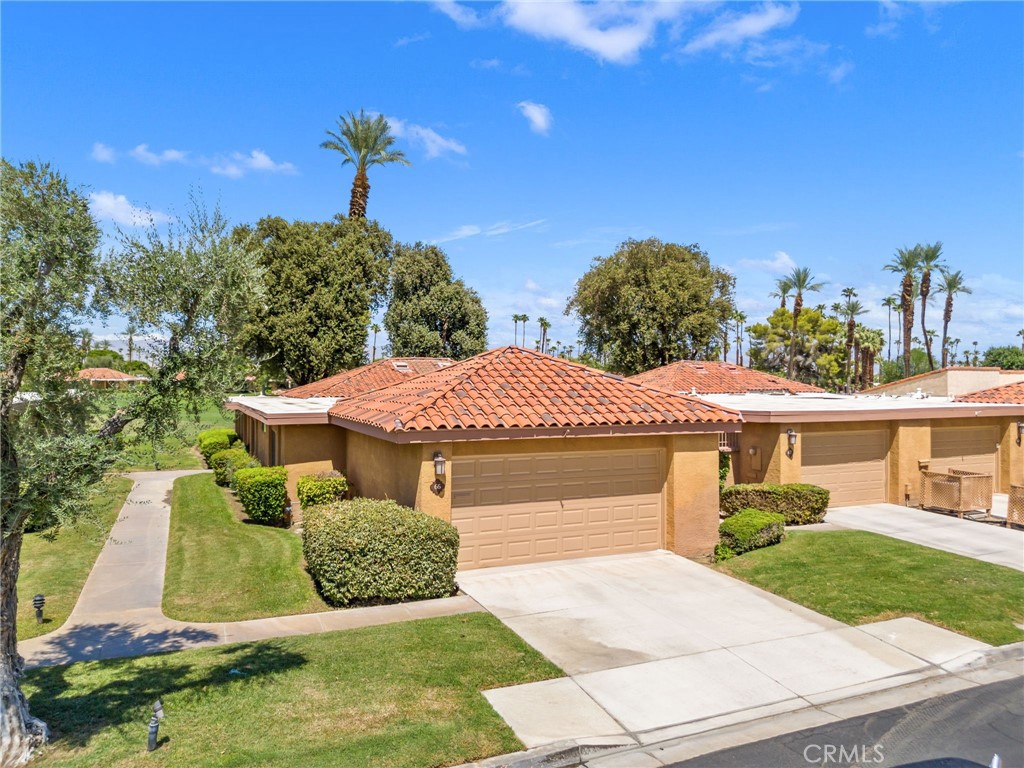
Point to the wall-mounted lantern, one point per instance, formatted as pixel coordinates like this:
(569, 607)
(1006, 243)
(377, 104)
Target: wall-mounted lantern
(438, 485)
(791, 437)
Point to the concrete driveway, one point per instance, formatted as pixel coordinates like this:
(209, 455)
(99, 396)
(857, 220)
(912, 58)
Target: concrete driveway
(655, 644)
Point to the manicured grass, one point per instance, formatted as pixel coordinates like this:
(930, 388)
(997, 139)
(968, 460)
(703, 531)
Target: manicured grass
(859, 577)
(176, 451)
(396, 695)
(221, 569)
(58, 567)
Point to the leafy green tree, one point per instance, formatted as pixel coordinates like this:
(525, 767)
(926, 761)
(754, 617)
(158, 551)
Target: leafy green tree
(800, 281)
(431, 314)
(652, 303)
(892, 370)
(191, 287)
(907, 263)
(103, 357)
(324, 280)
(951, 283)
(1009, 358)
(820, 347)
(363, 141)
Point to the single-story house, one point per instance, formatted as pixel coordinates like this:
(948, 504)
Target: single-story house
(380, 373)
(532, 457)
(108, 378)
(949, 382)
(705, 377)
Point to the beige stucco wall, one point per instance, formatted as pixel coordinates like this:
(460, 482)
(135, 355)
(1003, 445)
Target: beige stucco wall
(255, 436)
(951, 383)
(382, 470)
(304, 449)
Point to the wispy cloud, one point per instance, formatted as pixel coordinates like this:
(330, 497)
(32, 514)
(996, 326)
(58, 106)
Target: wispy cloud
(780, 263)
(485, 63)
(429, 140)
(840, 72)
(731, 29)
(410, 39)
(494, 230)
(101, 153)
(143, 154)
(538, 115)
(236, 165)
(463, 16)
(107, 206)
(890, 14)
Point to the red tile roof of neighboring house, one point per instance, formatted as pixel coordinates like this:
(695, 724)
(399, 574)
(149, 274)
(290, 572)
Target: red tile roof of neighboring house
(366, 378)
(105, 374)
(511, 387)
(1006, 393)
(717, 378)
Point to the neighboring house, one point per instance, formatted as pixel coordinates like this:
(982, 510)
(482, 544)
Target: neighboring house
(699, 377)
(949, 382)
(1007, 393)
(108, 378)
(382, 373)
(532, 457)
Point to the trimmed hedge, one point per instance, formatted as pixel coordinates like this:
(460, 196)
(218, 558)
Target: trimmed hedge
(747, 530)
(373, 551)
(262, 493)
(212, 441)
(225, 463)
(800, 503)
(321, 488)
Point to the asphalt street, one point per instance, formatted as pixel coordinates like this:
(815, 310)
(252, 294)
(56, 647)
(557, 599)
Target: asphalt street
(960, 730)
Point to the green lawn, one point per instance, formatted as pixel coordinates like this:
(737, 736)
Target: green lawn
(396, 695)
(58, 567)
(858, 577)
(222, 569)
(176, 451)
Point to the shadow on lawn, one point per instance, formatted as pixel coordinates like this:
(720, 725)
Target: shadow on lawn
(92, 642)
(78, 702)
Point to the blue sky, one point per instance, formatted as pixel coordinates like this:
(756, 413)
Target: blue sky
(820, 134)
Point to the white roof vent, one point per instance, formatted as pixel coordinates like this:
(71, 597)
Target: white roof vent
(400, 365)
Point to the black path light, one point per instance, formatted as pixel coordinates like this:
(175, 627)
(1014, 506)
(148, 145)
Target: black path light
(38, 602)
(154, 724)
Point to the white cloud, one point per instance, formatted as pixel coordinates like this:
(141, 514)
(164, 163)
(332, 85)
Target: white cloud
(500, 228)
(538, 115)
(790, 52)
(731, 30)
(838, 73)
(459, 233)
(531, 286)
(889, 15)
(101, 153)
(432, 143)
(463, 16)
(780, 263)
(610, 31)
(143, 154)
(116, 208)
(236, 165)
(485, 63)
(410, 39)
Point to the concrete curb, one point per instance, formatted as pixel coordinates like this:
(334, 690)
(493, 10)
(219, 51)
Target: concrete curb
(562, 754)
(986, 658)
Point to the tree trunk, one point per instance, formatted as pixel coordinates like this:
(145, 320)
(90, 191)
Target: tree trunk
(926, 286)
(947, 315)
(798, 305)
(360, 195)
(907, 302)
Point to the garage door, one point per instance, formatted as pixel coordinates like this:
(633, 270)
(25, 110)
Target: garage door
(524, 509)
(850, 464)
(970, 448)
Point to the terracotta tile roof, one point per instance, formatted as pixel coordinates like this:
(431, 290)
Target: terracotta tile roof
(366, 378)
(105, 374)
(1007, 393)
(512, 387)
(711, 377)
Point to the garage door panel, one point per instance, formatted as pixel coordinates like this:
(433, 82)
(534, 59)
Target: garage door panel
(591, 504)
(851, 465)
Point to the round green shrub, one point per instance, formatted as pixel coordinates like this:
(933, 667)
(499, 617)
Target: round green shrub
(212, 441)
(263, 493)
(747, 530)
(800, 503)
(373, 551)
(321, 488)
(225, 463)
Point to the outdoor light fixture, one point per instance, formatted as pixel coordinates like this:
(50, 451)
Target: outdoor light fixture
(39, 601)
(438, 485)
(154, 724)
(791, 436)
(1020, 431)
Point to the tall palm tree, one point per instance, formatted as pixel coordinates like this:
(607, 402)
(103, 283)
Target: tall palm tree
(740, 319)
(800, 281)
(890, 303)
(544, 326)
(1021, 334)
(905, 262)
(931, 258)
(515, 333)
(376, 329)
(130, 332)
(363, 141)
(783, 287)
(851, 310)
(524, 319)
(951, 283)
(871, 343)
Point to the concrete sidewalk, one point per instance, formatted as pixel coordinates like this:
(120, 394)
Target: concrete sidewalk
(119, 611)
(970, 538)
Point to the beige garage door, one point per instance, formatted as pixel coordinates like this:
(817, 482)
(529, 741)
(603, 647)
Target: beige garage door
(524, 509)
(970, 448)
(850, 464)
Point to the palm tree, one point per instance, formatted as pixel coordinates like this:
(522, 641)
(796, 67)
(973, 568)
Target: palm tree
(931, 258)
(783, 287)
(740, 319)
(376, 329)
(515, 333)
(871, 343)
(799, 281)
(974, 356)
(851, 310)
(950, 284)
(544, 326)
(954, 347)
(890, 303)
(1021, 334)
(130, 332)
(524, 319)
(363, 141)
(905, 262)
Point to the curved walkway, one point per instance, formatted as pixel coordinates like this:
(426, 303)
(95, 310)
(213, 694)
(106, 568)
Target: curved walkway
(119, 611)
